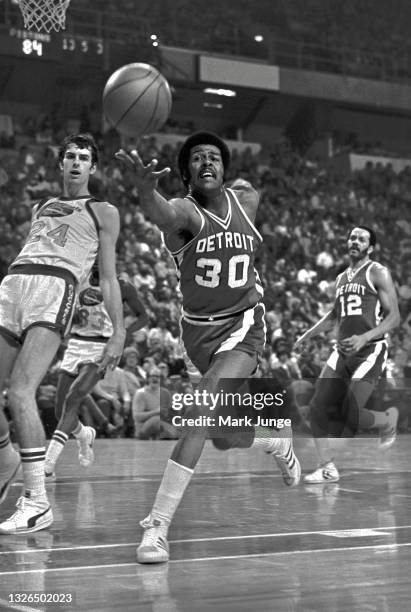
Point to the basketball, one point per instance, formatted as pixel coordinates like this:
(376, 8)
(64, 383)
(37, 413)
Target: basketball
(137, 99)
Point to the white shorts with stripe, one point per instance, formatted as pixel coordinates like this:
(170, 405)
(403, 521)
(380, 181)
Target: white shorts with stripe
(82, 352)
(29, 297)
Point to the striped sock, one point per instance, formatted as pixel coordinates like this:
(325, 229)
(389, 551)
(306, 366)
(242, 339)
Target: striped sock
(269, 439)
(266, 444)
(32, 462)
(55, 448)
(7, 452)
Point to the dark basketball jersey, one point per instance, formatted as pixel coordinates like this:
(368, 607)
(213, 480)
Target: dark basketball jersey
(216, 268)
(357, 306)
(64, 233)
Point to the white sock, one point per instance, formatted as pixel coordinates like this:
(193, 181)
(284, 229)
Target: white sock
(175, 480)
(57, 442)
(32, 462)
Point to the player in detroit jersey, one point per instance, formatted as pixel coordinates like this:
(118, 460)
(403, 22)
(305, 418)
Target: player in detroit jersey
(364, 311)
(36, 305)
(212, 237)
(80, 369)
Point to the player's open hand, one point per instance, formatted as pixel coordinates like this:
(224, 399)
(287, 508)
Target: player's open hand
(112, 353)
(353, 344)
(147, 175)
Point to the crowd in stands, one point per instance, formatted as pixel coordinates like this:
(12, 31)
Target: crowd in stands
(357, 37)
(304, 217)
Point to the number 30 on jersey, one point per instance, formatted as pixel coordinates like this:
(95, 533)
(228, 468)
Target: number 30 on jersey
(211, 271)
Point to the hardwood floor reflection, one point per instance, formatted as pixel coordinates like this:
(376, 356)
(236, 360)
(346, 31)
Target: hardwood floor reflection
(240, 541)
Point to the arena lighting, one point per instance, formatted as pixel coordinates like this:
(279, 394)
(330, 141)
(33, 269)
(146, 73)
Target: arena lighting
(258, 38)
(212, 105)
(228, 93)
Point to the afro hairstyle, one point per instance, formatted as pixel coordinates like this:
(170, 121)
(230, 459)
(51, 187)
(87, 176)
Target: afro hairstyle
(199, 138)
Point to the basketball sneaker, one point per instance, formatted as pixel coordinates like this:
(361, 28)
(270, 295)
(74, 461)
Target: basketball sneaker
(327, 472)
(30, 516)
(9, 476)
(85, 447)
(154, 545)
(388, 434)
(287, 461)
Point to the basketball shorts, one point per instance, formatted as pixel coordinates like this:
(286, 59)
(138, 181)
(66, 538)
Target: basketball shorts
(29, 298)
(205, 339)
(368, 364)
(81, 352)
(336, 402)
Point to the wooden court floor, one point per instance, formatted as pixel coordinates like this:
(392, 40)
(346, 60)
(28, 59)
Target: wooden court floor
(241, 541)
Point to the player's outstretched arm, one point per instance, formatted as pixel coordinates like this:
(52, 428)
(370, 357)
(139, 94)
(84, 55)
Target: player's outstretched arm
(325, 324)
(168, 215)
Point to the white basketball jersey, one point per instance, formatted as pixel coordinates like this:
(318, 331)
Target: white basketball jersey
(64, 233)
(93, 319)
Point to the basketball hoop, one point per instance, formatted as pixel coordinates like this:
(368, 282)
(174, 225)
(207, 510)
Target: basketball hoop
(44, 15)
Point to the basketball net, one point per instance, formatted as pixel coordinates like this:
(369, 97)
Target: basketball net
(44, 15)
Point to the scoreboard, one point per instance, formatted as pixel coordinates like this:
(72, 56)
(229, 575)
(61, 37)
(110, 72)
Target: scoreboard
(56, 46)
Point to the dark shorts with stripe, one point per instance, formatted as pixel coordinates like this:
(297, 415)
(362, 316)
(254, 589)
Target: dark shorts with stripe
(36, 295)
(345, 386)
(242, 332)
(368, 364)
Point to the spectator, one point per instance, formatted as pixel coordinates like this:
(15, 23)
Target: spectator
(133, 372)
(306, 276)
(150, 404)
(113, 397)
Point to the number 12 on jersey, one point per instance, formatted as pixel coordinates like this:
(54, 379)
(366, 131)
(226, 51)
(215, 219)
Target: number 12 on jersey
(351, 305)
